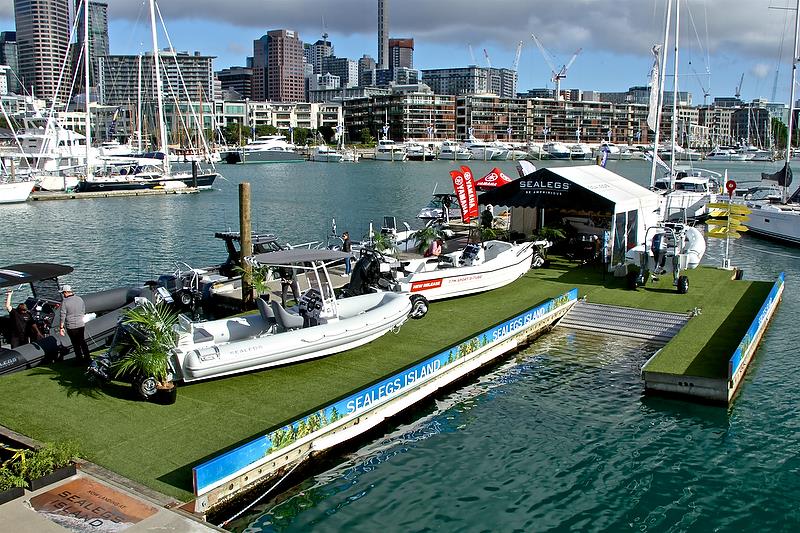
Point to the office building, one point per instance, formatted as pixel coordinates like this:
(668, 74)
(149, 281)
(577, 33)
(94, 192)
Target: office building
(98, 42)
(43, 31)
(366, 71)
(238, 79)
(259, 65)
(317, 52)
(8, 57)
(284, 67)
(401, 53)
(345, 69)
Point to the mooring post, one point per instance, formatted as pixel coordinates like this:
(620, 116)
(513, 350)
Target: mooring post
(246, 250)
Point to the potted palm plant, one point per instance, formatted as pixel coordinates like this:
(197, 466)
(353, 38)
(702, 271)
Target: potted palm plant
(425, 237)
(146, 362)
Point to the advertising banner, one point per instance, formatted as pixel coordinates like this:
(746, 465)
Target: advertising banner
(460, 188)
(472, 193)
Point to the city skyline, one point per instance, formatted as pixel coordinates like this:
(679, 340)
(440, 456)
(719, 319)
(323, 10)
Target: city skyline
(750, 40)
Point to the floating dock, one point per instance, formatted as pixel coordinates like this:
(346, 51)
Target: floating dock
(42, 196)
(223, 437)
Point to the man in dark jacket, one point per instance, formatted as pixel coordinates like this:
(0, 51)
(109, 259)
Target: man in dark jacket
(72, 311)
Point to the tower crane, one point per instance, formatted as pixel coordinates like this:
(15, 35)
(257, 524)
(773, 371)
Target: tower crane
(471, 54)
(557, 74)
(739, 87)
(488, 61)
(515, 65)
(706, 92)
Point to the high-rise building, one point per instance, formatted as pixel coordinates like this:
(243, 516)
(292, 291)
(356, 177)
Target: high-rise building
(182, 73)
(8, 56)
(401, 53)
(318, 52)
(285, 81)
(42, 44)
(472, 80)
(383, 34)
(239, 79)
(98, 41)
(259, 65)
(345, 69)
(366, 71)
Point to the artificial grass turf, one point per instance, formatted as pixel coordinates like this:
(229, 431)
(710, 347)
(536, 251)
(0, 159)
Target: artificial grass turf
(158, 445)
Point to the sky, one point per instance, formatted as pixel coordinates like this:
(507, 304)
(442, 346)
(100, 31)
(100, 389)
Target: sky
(720, 40)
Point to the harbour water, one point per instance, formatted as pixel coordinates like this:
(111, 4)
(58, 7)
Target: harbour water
(559, 438)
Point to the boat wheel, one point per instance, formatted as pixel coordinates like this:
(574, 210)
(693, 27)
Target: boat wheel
(419, 306)
(146, 387)
(683, 285)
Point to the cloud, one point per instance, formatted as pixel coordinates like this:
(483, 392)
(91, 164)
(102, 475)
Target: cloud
(625, 26)
(761, 70)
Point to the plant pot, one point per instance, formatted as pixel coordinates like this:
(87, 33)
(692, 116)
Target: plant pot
(11, 494)
(166, 395)
(56, 475)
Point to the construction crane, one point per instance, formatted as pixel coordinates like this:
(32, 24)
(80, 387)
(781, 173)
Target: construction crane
(488, 61)
(471, 54)
(739, 87)
(557, 74)
(515, 65)
(706, 92)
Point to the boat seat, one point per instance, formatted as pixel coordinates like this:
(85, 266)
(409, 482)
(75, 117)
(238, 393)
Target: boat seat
(266, 314)
(201, 335)
(285, 319)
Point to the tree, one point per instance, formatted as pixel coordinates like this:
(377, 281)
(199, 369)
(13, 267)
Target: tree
(266, 129)
(301, 136)
(235, 132)
(326, 132)
(779, 129)
(366, 136)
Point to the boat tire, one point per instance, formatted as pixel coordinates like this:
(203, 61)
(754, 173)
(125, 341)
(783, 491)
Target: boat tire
(185, 298)
(683, 285)
(538, 260)
(632, 280)
(146, 387)
(419, 307)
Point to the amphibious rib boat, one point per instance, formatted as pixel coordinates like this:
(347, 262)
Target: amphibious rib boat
(322, 324)
(477, 267)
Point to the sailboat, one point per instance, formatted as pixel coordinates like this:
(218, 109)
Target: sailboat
(781, 220)
(131, 175)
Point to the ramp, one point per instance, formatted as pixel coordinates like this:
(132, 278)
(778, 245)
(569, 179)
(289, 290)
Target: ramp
(654, 326)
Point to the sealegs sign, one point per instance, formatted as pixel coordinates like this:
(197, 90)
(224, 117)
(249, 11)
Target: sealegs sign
(544, 186)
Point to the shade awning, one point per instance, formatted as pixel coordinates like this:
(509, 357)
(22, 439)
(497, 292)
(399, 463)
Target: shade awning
(299, 255)
(17, 274)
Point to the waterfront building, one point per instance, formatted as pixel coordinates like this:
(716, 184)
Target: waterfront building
(239, 79)
(284, 115)
(4, 73)
(8, 56)
(383, 34)
(346, 93)
(284, 70)
(120, 79)
(43, 31)
(411, 112)
(718, 120)
(401, 53)
(345, 69)
(490, 117)
(627, 122)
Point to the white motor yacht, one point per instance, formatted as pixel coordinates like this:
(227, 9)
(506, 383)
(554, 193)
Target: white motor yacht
(12, 192)
(325, 154)
(720, 153)
(615, 151)
(482, 150)
(388, 150)
(580, 151)
(419, 152)
(557, 150)
(452, 151)
(266, 149)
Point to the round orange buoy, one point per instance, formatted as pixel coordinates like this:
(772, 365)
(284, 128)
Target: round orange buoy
(731, 186)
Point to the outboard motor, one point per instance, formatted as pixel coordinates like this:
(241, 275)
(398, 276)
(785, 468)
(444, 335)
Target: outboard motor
(365, 275)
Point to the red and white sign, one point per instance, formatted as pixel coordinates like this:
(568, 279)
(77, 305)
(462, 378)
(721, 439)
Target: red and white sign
(460, 188)
(418, 286)
(495, 178)
(731, 186)
(472, 193)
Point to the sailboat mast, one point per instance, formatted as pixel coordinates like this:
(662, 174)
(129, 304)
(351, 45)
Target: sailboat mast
(674, 129)
(88, 118)
(660, 89)
(162, 129)
(791, 95)
(139, 108)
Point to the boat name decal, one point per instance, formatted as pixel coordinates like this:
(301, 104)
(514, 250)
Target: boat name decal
(418, 286)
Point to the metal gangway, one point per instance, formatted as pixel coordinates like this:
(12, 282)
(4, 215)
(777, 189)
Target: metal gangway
(656, 327)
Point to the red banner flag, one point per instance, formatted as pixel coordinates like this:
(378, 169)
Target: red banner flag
(472, 194)
(460, 188)
(495, 178)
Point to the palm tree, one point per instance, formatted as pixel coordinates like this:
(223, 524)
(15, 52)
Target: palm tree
(425, 237)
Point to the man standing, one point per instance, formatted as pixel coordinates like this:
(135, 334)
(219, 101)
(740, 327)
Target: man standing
(72, 311)
(347, 246)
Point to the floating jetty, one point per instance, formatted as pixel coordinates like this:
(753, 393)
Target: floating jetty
(226, 437)
(42, 196)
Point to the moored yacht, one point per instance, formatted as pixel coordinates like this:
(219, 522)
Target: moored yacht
(266, 149)
(580, 151)
(388, 150)
(557, 150)
(325, 154)
(452, 151)
(419, 152)
(720, 153)
(482, 150)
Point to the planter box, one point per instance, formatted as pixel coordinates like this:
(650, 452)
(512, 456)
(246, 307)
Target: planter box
(11, 494)
(56, 475)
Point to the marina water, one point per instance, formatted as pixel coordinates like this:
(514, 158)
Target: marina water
(558, 438)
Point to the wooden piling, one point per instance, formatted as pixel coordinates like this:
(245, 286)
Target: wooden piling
(246, 250)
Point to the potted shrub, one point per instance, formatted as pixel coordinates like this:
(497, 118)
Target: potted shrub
(425, 237)
(146, 363)
(259, 280)
(50, 463)
(383, 242)
(12, 484)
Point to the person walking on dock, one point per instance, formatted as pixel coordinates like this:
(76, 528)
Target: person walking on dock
(347, 246)
(72, 311)
(288, 280)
